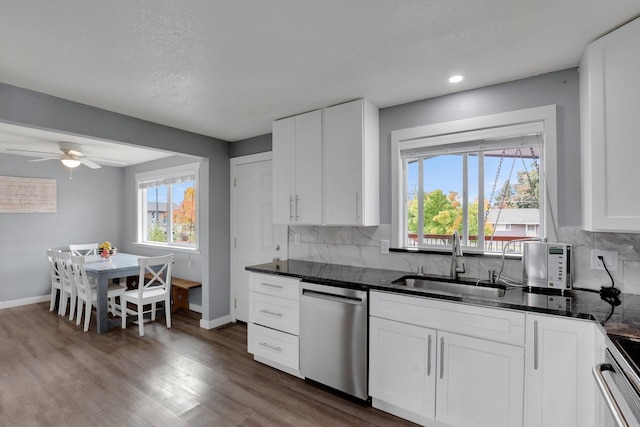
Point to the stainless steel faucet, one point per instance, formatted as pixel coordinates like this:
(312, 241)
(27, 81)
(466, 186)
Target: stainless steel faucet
(456, 251)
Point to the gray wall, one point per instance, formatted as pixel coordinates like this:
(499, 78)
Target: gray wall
(560, 88)
(84, 216)
(33, 109)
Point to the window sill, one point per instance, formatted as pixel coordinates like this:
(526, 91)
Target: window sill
(448, 252)
(167, 248)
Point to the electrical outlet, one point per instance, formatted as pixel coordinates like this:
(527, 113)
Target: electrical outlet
(610, 258)
(384, 246)
(296, 239)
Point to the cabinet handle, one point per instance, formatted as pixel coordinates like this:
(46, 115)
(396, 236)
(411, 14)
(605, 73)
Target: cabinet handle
(272, 347)
(271, 313)
(290, 208)
(441, 357)
(429, 356)
(297, 200)
(269, 285)
(357, 207)
(535, 345)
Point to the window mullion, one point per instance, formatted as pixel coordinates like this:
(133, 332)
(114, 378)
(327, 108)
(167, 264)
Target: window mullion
(465, 199)
(169, 213)
(481, 208)
(420, 202)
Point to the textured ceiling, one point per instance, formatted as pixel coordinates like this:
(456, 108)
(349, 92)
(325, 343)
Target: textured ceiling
(228, 68)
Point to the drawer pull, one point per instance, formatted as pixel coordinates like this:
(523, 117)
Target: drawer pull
(271, 313)
(269, 285)
(272, 347)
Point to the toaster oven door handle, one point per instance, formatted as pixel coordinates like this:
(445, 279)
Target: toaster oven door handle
(606, 393)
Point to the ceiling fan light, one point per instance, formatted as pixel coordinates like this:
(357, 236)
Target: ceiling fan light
(70, 163)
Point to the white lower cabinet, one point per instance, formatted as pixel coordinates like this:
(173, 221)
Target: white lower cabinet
(274, 321)
(480, 382)
(436, 377)
(561, 391)
(402, 369)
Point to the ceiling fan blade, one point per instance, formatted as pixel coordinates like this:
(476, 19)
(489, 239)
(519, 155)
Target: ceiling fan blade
(46, 158)
(31, 152)
(89, 163)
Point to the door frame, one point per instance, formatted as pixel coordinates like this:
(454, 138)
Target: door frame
(234, 162)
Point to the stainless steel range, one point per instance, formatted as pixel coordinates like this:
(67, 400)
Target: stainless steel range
(619, 381)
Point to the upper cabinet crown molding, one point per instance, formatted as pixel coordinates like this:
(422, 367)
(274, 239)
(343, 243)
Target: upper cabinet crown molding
(326, 166)
(610, 129)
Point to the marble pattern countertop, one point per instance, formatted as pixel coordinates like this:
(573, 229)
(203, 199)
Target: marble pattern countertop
(582, 304)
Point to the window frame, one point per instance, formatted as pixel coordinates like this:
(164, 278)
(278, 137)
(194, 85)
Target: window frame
(162, 174)
(470, 129)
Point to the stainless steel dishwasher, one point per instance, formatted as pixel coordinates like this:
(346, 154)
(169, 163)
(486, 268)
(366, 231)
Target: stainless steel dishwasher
(333, 337)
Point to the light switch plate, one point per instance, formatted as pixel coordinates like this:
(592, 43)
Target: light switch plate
(296, 239)
(384, 246)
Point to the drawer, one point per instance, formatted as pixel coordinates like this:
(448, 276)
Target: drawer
(487, 323)
(273, 312)
(279, 286)
(276, 346)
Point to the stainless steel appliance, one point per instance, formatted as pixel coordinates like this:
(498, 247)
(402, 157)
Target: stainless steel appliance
(619, 382)
(333, 337)
(547, 265)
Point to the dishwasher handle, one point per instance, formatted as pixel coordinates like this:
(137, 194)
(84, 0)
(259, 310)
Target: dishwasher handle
(331, 297)
(607, 395)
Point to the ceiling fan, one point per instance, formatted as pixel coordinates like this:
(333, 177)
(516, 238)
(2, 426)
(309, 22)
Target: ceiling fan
(71, 156)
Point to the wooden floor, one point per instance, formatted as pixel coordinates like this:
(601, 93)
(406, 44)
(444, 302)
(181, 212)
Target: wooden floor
(54, 374)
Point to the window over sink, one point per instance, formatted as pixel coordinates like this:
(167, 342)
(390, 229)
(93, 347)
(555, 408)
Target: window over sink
(168, 207)
(491, 178)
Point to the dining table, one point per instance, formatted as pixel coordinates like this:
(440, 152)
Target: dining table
(118, 266)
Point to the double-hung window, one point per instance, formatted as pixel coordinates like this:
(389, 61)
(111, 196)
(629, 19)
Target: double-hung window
(168, 207)
(487, 183)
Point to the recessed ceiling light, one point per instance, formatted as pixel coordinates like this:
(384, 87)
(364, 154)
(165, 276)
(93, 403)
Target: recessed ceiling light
(456, 79)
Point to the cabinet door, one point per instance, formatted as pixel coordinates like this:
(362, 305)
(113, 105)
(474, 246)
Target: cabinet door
(308, 163)
(560, 388)
(480, 383)
(402, 368)
(610, 89)
(284, 170)
(351, 164)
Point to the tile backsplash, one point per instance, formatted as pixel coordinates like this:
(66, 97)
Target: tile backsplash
(360, 247)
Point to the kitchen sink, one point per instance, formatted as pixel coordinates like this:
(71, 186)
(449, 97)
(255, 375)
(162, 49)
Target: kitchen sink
(450, 286)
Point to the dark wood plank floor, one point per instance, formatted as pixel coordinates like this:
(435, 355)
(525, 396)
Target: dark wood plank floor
(54, 374)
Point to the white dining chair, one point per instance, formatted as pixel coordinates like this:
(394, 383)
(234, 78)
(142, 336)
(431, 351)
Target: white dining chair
(154, 286)
(68, 294)
(84, 249)
(56, 283)
(88, 294)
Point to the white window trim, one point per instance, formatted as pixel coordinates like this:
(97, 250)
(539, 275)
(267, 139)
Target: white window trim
(447, 131)
(167, 173)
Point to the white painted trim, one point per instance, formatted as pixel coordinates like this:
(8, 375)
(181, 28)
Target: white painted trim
(195, 307)
(25, 301)
(545, 114)
(214, 323)
(251, 158)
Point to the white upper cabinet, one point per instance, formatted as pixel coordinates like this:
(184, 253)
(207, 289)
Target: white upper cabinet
(350, 161)
(326, 167)
(297, 169)
(610, 128)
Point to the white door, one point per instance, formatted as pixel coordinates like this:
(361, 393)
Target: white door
(254, 238)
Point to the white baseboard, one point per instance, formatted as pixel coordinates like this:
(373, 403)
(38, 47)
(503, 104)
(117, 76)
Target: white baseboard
(214, 323)
(25, 301)
(195, 307)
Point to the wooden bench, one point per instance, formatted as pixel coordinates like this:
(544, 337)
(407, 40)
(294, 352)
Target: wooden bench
(180, 293)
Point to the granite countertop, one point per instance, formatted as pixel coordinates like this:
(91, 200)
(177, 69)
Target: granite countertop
(619, 319)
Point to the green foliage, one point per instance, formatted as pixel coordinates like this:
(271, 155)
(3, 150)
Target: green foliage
(157, 234)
